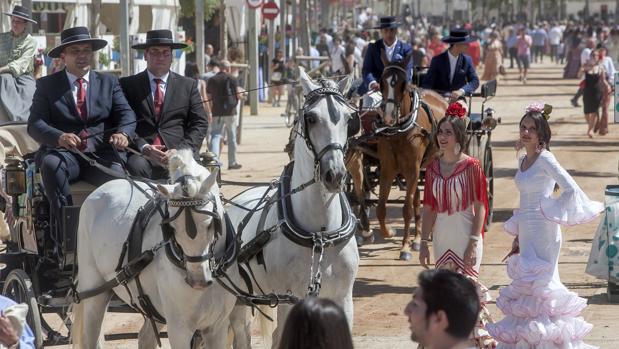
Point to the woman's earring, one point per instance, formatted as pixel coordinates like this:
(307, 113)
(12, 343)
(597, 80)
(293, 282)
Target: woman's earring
(457, 149)
(540, 146)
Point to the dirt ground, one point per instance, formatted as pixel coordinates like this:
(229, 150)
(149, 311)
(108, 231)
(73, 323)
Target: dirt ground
(384, 283)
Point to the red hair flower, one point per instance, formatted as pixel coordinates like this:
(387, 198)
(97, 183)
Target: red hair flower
(456, 109)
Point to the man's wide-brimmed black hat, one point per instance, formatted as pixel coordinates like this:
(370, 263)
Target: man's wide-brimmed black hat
(21, 12)
(458, 36)
(74, 36)
(160, 37)
(388, 22)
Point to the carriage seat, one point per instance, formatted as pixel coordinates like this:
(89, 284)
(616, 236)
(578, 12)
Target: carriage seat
(80, 191)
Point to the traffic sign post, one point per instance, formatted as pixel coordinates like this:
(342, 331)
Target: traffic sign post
(254, 3)
(270, 10)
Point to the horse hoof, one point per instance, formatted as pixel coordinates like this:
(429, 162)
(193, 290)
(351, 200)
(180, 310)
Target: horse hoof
(416, 246)
(368, 239)
(360, 240)
(405, 256)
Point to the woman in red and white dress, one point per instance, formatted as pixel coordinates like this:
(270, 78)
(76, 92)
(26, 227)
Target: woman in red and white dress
(454, 212)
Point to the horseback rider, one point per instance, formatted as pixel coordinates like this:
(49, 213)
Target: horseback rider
(166, 124)
(452, 72)
(17, 51)
(78, 109)
(373, 66)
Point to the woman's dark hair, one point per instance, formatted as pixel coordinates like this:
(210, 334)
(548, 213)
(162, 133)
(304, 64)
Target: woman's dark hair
(316, 323)
(459, 127)
(541, 125)
(191, 70)
(455, 295)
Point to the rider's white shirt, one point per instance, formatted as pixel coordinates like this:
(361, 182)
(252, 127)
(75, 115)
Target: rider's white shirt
(72, 82)
(389, 49)
(453, 60)
(153, 84)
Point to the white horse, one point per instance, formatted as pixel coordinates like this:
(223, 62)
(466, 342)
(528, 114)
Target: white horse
(322, 132)
(186, 297)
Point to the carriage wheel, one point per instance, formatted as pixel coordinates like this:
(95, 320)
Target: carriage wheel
(18, 287)
(489, 172)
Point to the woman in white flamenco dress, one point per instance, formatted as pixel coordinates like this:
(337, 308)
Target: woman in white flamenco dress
(540, 312)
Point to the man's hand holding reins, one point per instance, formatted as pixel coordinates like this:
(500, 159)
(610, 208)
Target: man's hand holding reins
(69, 140)
(119, 141)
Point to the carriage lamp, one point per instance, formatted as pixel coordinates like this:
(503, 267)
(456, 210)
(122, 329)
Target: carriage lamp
(14, 177)
(209, 160)
(489, 122)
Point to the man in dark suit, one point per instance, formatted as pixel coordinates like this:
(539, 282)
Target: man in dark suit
(452, 72)
(77, 108)
(169, 108)
(384, 51)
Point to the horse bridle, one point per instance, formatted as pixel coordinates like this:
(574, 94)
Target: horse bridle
(310, 99)
(187, 204)
(396, 104)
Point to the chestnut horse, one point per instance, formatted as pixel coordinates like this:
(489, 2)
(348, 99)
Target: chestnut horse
(404, 141)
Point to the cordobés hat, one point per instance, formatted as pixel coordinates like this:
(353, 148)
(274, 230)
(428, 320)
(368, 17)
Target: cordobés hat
(73, 36)
(387, 22)
(20, 12)
(458, 36)
(160, 37)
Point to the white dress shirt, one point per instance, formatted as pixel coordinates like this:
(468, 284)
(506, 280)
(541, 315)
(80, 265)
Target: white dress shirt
(453, 61)
(153, 84)
(610, 70)
(337, 62)
(73, 83)
(389, 49)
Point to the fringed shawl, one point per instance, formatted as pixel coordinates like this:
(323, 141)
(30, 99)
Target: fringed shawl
(457, 192)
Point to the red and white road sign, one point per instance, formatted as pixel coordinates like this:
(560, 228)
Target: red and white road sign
(254, 3)
(270, 10)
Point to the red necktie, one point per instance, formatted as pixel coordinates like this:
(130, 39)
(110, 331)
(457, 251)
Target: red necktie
(158, 100)
(82, 111)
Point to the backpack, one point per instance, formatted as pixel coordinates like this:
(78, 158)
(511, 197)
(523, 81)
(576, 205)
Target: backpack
(230, 99)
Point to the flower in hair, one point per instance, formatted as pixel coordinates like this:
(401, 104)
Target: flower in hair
(539, 107)
(456, 109)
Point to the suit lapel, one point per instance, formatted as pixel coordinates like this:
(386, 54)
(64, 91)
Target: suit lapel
(68, 95)
(144, 83)
(94, 86)
(167, 99)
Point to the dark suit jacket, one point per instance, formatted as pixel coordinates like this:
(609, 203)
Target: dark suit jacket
(53, 111)
(464, 78)
(183, 122)
(373, 66)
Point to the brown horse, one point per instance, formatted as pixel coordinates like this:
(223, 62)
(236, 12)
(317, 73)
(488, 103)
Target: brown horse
(400, 151)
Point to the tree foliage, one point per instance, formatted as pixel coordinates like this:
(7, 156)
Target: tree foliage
(188, 8)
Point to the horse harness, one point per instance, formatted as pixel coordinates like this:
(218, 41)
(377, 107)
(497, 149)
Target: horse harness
(138, 260)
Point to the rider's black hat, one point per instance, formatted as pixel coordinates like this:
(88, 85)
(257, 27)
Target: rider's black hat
(21, 12)
(74, 36)
(161, 37)
(388, 22)
(458, 36)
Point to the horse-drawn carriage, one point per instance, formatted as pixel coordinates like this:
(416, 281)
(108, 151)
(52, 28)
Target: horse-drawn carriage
(410, 111)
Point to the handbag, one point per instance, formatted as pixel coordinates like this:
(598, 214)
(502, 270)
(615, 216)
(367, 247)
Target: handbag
(276, 77)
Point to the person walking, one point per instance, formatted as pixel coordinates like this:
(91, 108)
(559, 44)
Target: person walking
(222, 91)
(595, 85)
(523, 45)
(607, 88)
(585, 56)
(539, 43)
(493, 57)
(278, 68)
(456, 225)
(540, 312)
(512, 38)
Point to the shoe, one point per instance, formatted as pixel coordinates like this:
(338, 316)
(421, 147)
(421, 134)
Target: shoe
(235, 167)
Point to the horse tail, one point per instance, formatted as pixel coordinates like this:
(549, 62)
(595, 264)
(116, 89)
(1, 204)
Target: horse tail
(77, 327)
(267, 327)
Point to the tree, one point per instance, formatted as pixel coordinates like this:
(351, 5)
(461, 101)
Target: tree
(188, 8)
